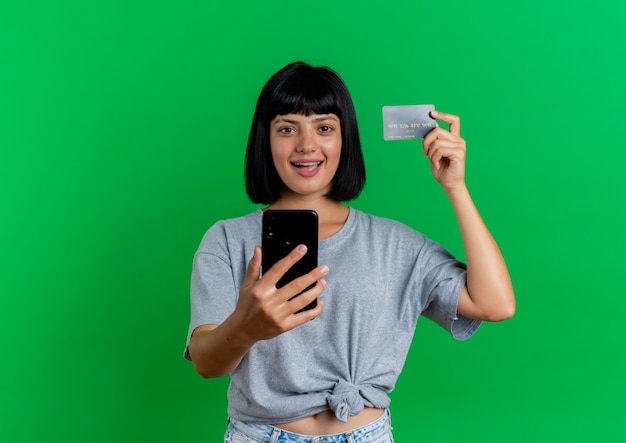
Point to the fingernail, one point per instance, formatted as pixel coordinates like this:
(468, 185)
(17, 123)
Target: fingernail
(324, 269)
(302, 248)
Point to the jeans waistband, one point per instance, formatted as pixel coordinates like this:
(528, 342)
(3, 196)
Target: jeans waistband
(272, 434)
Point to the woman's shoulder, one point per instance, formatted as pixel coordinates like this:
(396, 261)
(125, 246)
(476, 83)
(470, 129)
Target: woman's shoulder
(251, 219)
(381, 222)
(385, 226)
(237, 227)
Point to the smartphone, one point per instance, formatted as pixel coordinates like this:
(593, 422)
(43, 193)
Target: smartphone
(283, 230)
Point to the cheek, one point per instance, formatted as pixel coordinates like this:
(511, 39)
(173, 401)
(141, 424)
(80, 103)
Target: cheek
(334, 152)
(277, 152)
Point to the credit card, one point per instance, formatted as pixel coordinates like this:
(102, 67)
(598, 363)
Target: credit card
(407, 122)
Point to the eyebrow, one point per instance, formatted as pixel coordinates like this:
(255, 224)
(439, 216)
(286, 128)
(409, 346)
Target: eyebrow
(321, 118)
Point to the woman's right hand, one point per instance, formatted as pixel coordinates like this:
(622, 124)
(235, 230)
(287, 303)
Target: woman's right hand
(263, 311)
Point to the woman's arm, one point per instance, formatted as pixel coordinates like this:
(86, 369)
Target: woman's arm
(262, 312)
(488, 294)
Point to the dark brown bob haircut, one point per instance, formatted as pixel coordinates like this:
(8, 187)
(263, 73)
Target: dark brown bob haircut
(300, 88)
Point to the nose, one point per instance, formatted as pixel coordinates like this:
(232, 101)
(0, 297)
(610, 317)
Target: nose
(306, 142)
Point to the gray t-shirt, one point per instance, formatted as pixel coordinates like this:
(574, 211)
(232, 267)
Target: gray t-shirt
(383, 275)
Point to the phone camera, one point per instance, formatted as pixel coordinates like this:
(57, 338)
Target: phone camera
(270, 227)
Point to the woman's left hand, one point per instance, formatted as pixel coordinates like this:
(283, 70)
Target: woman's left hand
(446, 152)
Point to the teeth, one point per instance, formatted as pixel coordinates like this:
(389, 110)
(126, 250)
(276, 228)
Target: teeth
(304, 165)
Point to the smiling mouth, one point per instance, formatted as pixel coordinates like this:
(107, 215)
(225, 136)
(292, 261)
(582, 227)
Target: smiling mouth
(306, 164)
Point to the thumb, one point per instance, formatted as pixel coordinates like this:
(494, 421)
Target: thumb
(254, 268)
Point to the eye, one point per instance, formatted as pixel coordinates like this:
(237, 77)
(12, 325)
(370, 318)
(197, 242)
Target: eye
(326, 128)
(286, 130)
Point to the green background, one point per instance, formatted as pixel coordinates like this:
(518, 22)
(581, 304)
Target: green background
(122, 133)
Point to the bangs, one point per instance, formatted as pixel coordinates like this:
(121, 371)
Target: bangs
(306, 93)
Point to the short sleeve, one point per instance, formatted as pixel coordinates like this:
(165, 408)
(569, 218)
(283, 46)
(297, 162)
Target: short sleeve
(213, 292)
(444, 280)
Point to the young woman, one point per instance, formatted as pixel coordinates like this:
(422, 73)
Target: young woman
(325, 374)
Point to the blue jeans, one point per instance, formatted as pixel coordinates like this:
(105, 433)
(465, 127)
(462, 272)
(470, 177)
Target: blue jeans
(379, 431)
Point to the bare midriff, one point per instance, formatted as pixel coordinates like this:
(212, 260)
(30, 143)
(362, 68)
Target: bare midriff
(326, 423)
